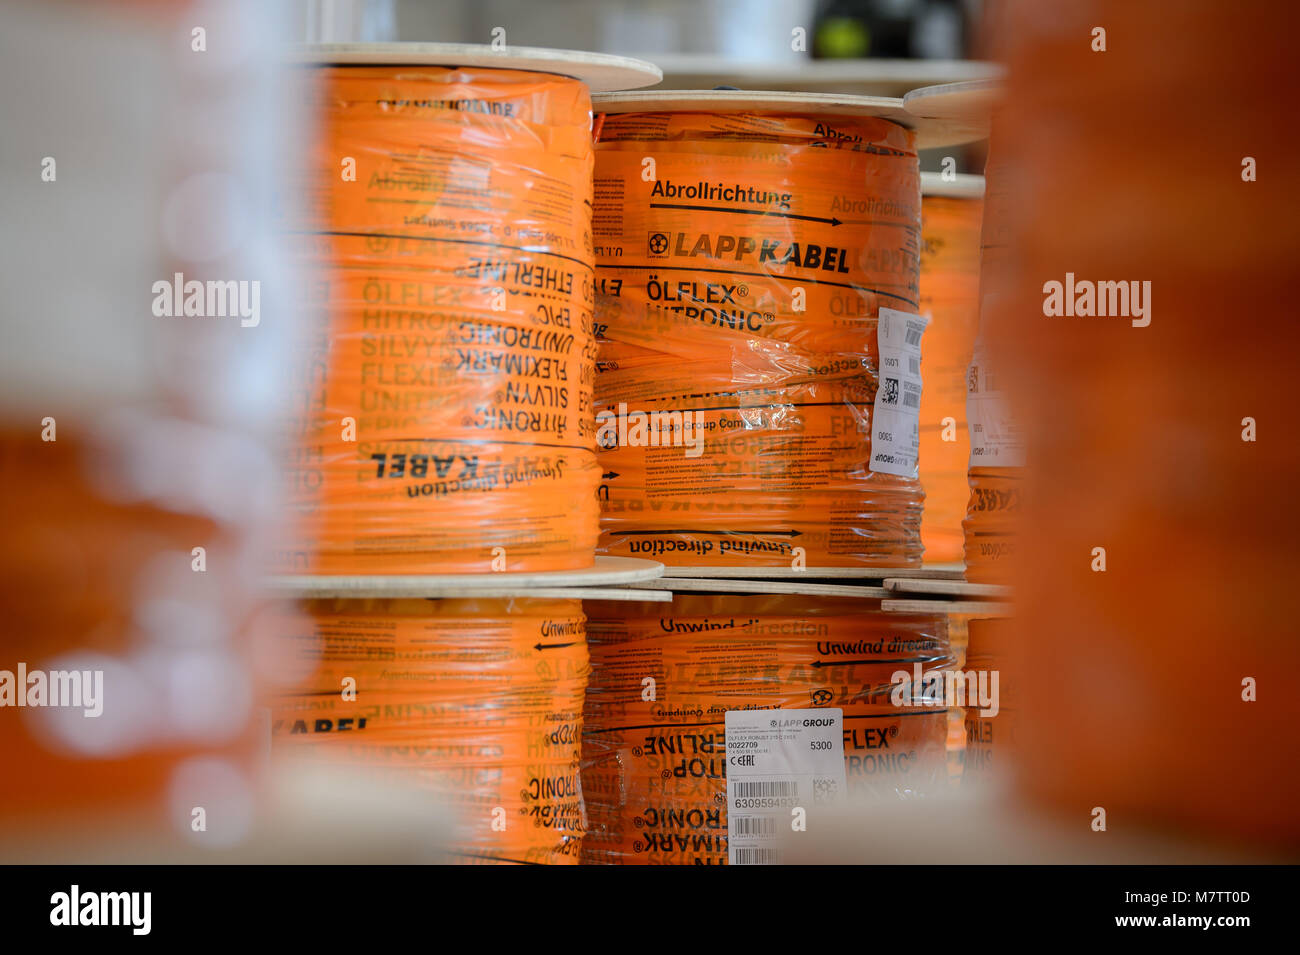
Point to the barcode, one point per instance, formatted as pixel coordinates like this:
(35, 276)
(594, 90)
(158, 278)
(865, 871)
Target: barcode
(752, 825)
(914, 336)
(765, 788)
(755, 856)
(914, 363)
(911, 399)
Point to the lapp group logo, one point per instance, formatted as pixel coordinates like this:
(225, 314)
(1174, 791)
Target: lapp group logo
(657, 244)
(622, 428)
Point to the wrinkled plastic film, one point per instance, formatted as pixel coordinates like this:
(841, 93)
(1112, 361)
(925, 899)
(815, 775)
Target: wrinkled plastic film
(990, 736)
(950, 232)
(958, 640)
(456, 328)
(743, 284)
(477, 701)
(991, 524)
(654, 770)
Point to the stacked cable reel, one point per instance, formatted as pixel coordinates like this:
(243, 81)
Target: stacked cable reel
(996, 452)
(758, 304)
(952, 210)
(746, 244)
(660, 760)
(445, 469)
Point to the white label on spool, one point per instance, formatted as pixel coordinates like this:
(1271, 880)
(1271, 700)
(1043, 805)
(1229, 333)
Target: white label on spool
(783, 766)
(895, 421)
(995, 440)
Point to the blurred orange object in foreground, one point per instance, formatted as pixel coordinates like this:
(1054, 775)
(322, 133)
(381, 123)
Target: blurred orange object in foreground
(1158, 688)
(105, 588)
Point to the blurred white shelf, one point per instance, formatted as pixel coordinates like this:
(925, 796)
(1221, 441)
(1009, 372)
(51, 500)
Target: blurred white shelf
(864, 77)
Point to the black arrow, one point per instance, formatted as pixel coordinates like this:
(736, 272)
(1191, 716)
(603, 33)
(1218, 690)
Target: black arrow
(552, 646)
(910, 227)
(845, 663)
(609, 474)
(719, 533)
(745, 212)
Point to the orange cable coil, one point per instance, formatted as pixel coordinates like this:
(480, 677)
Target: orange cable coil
(654, 771)
(950, 228)
(743, 283)
(478, 701)
(457, 274)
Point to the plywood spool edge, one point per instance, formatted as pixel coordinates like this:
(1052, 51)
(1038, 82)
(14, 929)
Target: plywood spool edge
(956, 588)
(976, 608)
(600, 71)
(970, 102)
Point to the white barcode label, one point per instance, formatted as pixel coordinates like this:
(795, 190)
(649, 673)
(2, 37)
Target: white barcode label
(764, 788)
(783, 766)
(896, 416)
(754, 826)
(995, 438)
(748, 856)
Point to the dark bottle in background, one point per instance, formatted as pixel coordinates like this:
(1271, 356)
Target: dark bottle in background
(890, 29)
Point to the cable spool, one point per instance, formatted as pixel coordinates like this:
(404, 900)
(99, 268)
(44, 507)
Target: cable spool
(479, 701)
(997, 451)
(951, 213)
(996, 439)
(446, 403)
(741, 279)
(654, 770)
